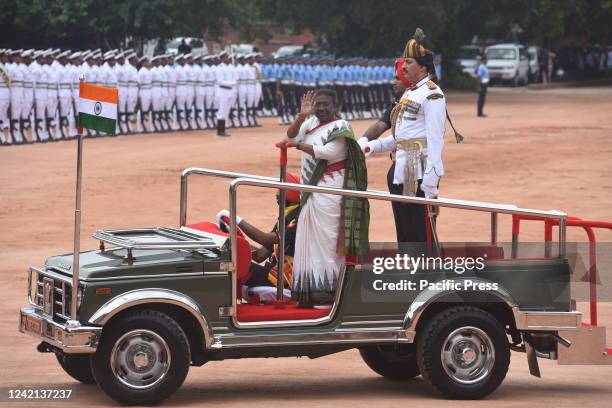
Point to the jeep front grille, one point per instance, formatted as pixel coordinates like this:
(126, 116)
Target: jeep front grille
(50, 292)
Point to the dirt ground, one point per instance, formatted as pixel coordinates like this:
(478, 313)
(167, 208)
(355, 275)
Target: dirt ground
(537, 149)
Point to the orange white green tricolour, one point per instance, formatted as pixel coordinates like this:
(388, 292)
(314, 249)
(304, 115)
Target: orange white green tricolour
(98, 108)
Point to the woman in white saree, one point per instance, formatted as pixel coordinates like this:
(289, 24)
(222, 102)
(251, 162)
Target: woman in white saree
(330, 226)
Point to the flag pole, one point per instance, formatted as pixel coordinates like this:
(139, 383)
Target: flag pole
(77, 222)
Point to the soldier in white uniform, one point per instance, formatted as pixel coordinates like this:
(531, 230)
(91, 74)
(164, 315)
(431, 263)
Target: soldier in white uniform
(5, 96)
(132, 97)
(418, 124)
(76, 70)
(52, 119)
(254, 89)
(243, 90)
(122, 86)
(191, 76)
(16, 75)
(170, 78)
(181, 91)
(225, 92)
(41, 90)
(209, 69)
(66, 118)
(145, 93)
(27, 104)
(200, 92)
(159, 90)
(108, 74)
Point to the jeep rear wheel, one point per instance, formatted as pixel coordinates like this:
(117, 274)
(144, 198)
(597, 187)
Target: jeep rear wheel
(393, 362)
(143, 358)
(463, 353)
(78, 366)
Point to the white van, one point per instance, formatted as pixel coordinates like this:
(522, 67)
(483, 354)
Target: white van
(508, 63)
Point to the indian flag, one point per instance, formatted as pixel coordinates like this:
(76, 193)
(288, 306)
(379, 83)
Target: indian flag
(98, 108)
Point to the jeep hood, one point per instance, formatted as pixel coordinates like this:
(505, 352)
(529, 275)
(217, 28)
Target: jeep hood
(113, 264)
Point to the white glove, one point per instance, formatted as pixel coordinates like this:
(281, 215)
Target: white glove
(226, 214)
(362, 142)
(370, 148)
(430, 184)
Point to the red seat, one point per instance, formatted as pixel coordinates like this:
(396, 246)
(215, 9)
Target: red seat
(258, 313)
(266, 313)
(244, 251)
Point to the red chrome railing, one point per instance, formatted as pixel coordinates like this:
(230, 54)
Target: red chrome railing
(588, 227)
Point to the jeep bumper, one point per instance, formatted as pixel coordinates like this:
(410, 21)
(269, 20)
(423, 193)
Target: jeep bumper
(79, 339)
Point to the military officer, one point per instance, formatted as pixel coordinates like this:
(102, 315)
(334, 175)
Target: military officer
(5, 96)
(209, 68)
(192, 79)
(66, 118)
(41, 90)
(145, 93)
(27, 104)
(123, 88)
(418, 124)
(132, 94)
(243, 90)
(76, 70)
(225, 92)
(199, 70)
(181, 91)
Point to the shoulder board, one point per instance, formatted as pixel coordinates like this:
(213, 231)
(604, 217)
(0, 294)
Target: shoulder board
(435, 96)
(431, 85)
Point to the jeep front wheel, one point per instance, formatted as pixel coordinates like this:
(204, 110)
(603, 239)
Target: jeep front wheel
(143, 358)
(463, 352)
(393, 362)
(78, 366)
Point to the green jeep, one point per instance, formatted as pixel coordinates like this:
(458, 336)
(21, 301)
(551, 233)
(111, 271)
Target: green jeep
(151, 302)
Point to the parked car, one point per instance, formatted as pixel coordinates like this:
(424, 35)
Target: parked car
(469, 56)
(288, 50)
(197, 45)
(241, 49)
(508, 63)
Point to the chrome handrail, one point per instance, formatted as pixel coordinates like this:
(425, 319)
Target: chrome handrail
(494, 209)
(207, 172)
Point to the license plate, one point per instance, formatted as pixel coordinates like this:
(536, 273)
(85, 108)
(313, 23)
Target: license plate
(32, 325)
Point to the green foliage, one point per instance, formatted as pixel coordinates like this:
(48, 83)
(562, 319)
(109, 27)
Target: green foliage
(344, 27)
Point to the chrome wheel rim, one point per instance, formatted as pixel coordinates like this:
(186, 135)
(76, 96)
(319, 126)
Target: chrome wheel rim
(467, 355)
(140, 359)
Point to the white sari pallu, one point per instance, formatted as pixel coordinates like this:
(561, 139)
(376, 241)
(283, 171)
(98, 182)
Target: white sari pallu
(316, 263)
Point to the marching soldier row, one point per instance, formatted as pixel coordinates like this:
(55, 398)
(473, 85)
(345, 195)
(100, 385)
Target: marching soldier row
(364, 87)
(39, 92)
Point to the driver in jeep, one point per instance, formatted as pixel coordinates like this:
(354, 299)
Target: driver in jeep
(261, 286)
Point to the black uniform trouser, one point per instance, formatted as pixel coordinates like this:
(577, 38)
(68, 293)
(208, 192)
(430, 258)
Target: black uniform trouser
(410, 224)
(482, 94)
(259, 276)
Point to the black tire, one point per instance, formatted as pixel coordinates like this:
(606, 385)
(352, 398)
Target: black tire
(162, 348)
(479, 333)
(78, 366)
(393, 362)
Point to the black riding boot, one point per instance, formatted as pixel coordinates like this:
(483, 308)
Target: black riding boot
(221, 128)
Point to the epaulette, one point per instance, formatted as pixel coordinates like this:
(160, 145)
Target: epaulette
(431, 85)
(434, 96)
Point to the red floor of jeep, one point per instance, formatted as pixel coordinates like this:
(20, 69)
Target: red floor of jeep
(261, 313)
